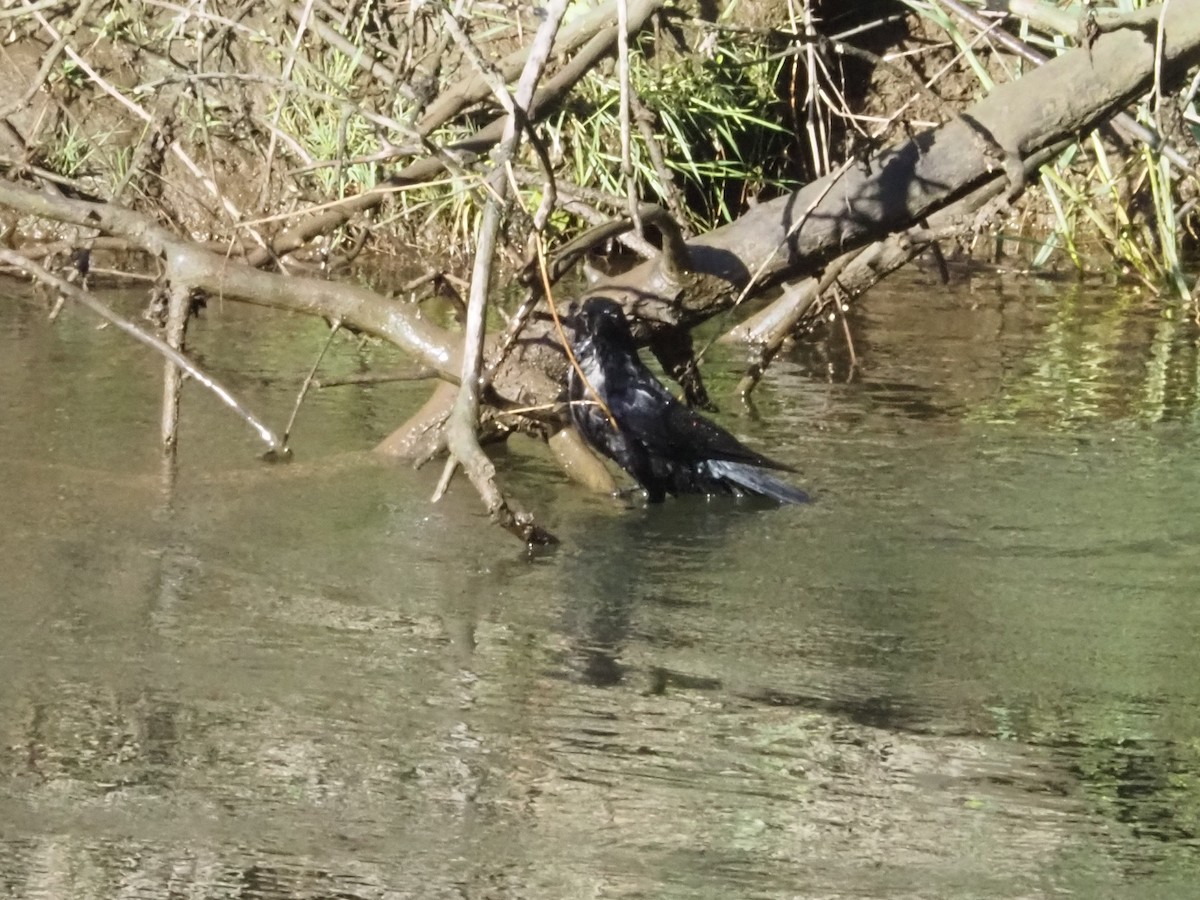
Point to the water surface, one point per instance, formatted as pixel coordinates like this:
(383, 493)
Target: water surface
(968, 670)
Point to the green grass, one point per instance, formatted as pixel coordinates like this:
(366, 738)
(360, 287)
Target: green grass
(712, 119)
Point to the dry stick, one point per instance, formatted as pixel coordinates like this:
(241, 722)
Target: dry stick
(1159, 36)
(536, 291)
(626, 89)
(387, 154)
(644, 119)
(768, 352)
(308, 381)
(818, 147)
(73, 293)
(549, 184)
(547, 205)
(461, 423)
(331, 204)
(206, 137)
(178, 303)
(840, 309)
(843, 105)
(461, 427)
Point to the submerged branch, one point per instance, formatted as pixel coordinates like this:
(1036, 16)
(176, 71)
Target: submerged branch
(274, 446)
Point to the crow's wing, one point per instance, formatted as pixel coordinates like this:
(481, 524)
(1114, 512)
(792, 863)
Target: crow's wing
(669, 429)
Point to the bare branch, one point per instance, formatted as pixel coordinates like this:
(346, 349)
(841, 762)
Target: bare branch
(461, 437)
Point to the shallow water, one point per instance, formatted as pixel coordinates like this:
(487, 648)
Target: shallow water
(967, 670)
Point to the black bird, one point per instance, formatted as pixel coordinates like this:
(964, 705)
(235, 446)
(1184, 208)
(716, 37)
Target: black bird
(666, 446)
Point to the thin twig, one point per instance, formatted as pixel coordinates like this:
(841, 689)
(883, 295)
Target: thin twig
(1159, 36)
(840, 308)
(626, 88)
(308, 380)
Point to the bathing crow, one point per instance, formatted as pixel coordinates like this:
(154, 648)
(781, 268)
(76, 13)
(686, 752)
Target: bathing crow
(666, 446)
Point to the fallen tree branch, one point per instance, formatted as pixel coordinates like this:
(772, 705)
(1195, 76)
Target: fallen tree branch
(1068, 22)
(204, 270)
(796, 310)
(898, 188)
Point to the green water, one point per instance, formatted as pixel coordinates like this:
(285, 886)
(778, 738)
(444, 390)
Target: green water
(968, 670)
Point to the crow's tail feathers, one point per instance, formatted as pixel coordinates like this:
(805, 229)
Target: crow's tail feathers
(754, 480)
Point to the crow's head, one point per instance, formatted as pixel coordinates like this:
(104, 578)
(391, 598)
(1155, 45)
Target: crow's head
(601, 318)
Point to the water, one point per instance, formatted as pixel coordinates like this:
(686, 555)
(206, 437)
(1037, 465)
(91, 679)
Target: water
(967, 670)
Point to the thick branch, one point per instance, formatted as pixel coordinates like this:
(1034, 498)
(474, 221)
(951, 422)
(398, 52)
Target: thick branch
(201, 269)
(1066, 97)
